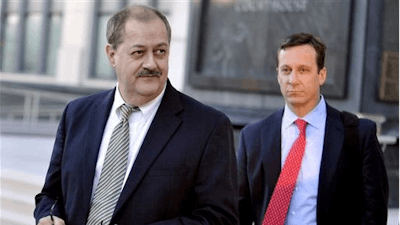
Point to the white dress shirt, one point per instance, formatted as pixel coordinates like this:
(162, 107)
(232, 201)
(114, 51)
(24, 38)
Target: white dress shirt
(303, 205)
(139, 123)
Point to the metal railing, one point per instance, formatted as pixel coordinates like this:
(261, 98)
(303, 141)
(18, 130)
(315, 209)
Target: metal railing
(31, 110)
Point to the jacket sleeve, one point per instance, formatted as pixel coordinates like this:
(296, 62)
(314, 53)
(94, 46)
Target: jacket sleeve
(246, 210)
(375, 181)
(50, 198)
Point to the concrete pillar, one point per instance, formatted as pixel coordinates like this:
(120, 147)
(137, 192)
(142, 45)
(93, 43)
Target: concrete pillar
(178, 18)
(76, 30)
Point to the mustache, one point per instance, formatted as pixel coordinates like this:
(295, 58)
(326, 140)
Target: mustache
(149, 73)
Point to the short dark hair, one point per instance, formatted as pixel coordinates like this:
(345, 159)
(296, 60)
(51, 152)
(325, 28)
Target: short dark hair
(116, 24)
(304, 39)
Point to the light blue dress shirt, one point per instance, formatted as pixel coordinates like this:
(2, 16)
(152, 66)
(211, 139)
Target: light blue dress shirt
(303, 205)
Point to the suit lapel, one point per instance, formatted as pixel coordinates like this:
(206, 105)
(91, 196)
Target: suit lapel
(160, 132)
(271, 148)
(97, 122)
(333, 144)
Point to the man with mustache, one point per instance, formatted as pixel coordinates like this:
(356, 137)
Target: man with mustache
(141, 153)
(309, 163)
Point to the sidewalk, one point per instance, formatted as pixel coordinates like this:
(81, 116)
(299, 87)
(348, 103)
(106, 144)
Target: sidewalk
(23, 165)
(27, 154)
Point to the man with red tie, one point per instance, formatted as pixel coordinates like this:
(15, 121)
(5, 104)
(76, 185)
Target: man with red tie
(308, 163)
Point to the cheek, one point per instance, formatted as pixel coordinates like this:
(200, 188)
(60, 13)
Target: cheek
(282, 81)
(311, 84)
(282, 85)
(163, 64)
(317, 82)
(279, 78)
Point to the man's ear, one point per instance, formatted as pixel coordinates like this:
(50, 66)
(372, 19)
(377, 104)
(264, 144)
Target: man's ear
(322, 76)
(110, 51)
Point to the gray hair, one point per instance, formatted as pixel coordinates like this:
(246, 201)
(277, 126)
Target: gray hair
(116, 24)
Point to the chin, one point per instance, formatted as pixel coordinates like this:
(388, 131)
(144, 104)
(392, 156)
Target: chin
(150, 90)
(295, 100)
(150, 85)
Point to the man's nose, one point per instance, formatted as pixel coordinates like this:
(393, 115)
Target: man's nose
(294, 76)
(149, 62)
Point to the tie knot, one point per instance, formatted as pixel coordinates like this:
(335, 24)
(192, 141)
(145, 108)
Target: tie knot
(301, 124)
(126, 111)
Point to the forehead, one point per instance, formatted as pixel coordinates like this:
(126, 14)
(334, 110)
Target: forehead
(145, 32)
(302, 54)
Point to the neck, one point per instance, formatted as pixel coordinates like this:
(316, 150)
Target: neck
(303, 110)
(135, 99)
(138, 100)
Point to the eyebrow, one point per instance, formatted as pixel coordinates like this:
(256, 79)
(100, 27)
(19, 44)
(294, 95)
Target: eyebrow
(300, 66)
(142, 46)
(305, 66)
(162, 44)
(138, 46)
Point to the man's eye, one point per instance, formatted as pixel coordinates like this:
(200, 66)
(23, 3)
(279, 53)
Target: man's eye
(303, 70)
(160, 51)
(137, 52)
(285, 70)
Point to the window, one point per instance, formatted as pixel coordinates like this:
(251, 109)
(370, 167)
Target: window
(31, 43)
(9, 33)
(55, 23)
(31, 36)
(103, 70)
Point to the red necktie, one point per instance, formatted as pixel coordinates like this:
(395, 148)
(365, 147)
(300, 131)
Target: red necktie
(279, 203)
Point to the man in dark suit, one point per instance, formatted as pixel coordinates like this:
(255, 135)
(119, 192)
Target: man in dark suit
(340, 176)
(180, 164)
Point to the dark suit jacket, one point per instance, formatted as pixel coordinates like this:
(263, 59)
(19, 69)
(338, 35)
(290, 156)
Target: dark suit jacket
(185, 172)
(353, 186)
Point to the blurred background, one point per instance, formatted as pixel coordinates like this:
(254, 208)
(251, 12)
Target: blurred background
(222, 53)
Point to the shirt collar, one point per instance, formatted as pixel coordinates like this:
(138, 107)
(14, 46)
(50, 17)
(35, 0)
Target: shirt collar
(315, 117)
(146, 109)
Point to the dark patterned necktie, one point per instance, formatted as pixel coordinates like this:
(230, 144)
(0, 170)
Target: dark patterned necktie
(113, 172)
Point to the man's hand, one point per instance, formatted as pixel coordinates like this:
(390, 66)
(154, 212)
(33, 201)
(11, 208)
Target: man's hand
(47, 221)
